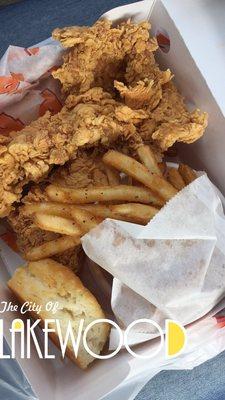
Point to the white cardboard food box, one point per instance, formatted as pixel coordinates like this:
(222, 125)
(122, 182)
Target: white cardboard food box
(123, 376)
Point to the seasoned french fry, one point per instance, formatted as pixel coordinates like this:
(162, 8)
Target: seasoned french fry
(57, 224)
(147, 157)
(85, 219)
(187, 173)
(52, 248)
(139, 213)
(131, 212)
(138, 171)
(101, 210)
(103, 193)
(175, 178)
(163, 168)
(130, 181)
(113, 176)
(61, 210)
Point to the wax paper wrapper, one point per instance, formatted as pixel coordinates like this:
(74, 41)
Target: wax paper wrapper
(27, 89)
(174, 267)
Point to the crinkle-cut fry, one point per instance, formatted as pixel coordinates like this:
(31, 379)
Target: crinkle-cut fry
(131, 167)
(52, 248)
(112, 175)
(130, 212)
(175, 178)
(85, 219)
(103, 194)
(58, 209)
(187, 173)
(147, 157)
(57, 224)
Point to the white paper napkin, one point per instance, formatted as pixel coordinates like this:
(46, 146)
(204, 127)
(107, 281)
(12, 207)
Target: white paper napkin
(172, 268)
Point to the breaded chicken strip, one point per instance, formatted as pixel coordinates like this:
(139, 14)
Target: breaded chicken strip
(102, 53)
(170, 121)
(53, 140)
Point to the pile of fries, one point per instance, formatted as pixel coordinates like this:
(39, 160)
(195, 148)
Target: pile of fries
(74, 212)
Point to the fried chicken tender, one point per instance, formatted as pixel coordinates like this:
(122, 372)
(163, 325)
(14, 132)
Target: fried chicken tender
(100, 54)
(171, 122)
(53, 140)
(171, 132)
(121, 58)
(86, 170)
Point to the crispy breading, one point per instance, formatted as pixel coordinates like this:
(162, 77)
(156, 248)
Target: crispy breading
(144, 94)
(170, 132)
(29, 236)
(147, 108)
(98, 54)
(142, 66)
(147, 128)
(53, 140)
(171, 122)
(171, 107)
(86, 170)
(125, 114)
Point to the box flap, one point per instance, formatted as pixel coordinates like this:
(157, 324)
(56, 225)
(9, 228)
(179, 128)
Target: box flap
(208, 152)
